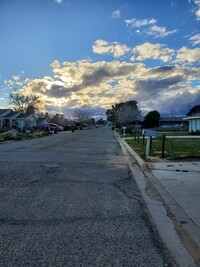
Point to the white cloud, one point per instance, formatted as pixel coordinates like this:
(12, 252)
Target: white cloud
(115, 48)
(116, 14)
(195, 40)
(158, 32)
(173, 3)
(139, 23)
(58, 1)
(96, 86)
(186, 55)
(148, 27)
(16, 77)
(197, 11)
(153, 51)
(198, 14)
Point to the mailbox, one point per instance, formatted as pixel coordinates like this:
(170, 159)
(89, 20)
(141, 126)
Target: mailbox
(149, 133)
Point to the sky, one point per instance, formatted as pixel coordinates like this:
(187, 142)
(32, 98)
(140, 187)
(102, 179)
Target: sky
(91, 54)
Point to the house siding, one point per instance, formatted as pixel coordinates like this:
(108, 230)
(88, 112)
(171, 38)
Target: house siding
(194, 123)
(10, 119)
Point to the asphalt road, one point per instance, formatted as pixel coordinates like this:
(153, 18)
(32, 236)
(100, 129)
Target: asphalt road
(70, 200)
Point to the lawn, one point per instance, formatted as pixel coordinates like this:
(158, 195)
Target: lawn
(175, 148)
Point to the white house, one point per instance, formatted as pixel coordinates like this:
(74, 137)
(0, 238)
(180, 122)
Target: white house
(194, 122)
(26, 120)
(12, 119)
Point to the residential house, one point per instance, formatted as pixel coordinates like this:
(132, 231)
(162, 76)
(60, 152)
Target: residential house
(173, 123)
(42, 121)
(194, 122)
(26, 120)
(10, 119)
(3, 112)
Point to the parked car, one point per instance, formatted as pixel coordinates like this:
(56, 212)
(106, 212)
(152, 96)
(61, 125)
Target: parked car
(54, 127)
(61, 128)
(43, 127)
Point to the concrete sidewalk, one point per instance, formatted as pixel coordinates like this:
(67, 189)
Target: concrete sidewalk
(177, 212)
(182, 181)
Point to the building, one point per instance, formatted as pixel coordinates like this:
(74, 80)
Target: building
(10, 119)
(173, 123)
(194, 122)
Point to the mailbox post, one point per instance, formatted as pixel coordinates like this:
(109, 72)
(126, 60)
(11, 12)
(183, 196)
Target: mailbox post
(124, 131)
(149, 134)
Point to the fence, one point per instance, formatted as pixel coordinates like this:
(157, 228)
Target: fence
(173, 147)
(184, 146)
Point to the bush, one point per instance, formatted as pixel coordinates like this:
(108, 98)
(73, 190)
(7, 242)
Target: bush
(15, 135)
(10, 135)
(195, 133)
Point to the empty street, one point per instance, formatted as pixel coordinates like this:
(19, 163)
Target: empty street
(69, 199)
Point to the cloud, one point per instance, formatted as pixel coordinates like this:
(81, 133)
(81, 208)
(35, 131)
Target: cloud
(195, 40)
(16, 77)
(58, 1)
(115, 48)
(186, 55)
(116, 14)
(188, 74)
(96, 86)
(148, 27)
(197, 10)
(139, 23)
(153, 51)
(158, 32)
(179, 103)
(157, 51)
(153, 87)
(173, 3)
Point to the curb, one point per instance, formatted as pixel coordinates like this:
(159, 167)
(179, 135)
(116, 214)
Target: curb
(155, 196)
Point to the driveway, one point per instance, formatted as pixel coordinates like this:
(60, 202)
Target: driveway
(70, 200)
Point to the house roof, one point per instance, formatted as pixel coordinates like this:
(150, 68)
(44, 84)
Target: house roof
(195, 116)
(171, 119)
(2, 111)
(42, 119)
(12, 114)
(25, 116)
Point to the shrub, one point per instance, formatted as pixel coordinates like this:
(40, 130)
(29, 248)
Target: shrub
(195, 133)
(10, 135)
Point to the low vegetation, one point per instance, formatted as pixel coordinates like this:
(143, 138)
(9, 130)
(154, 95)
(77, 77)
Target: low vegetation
(176, 148)
(15, 135)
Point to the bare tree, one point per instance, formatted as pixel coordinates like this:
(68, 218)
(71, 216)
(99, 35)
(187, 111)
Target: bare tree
(23, 103)
(81, 115)
(126, 115)
(124, 112)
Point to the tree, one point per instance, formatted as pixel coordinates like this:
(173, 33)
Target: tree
(58, 119)
(81, 115)
(194, 110)
(151, 120)
(101, 121)
(123, 113)
(25, 104)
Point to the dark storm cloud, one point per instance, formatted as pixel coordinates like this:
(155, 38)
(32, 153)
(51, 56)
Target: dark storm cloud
(156, 86)
(58, 91)
(102, 73)
(162, 70)
(180, 103)
(171, 70)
